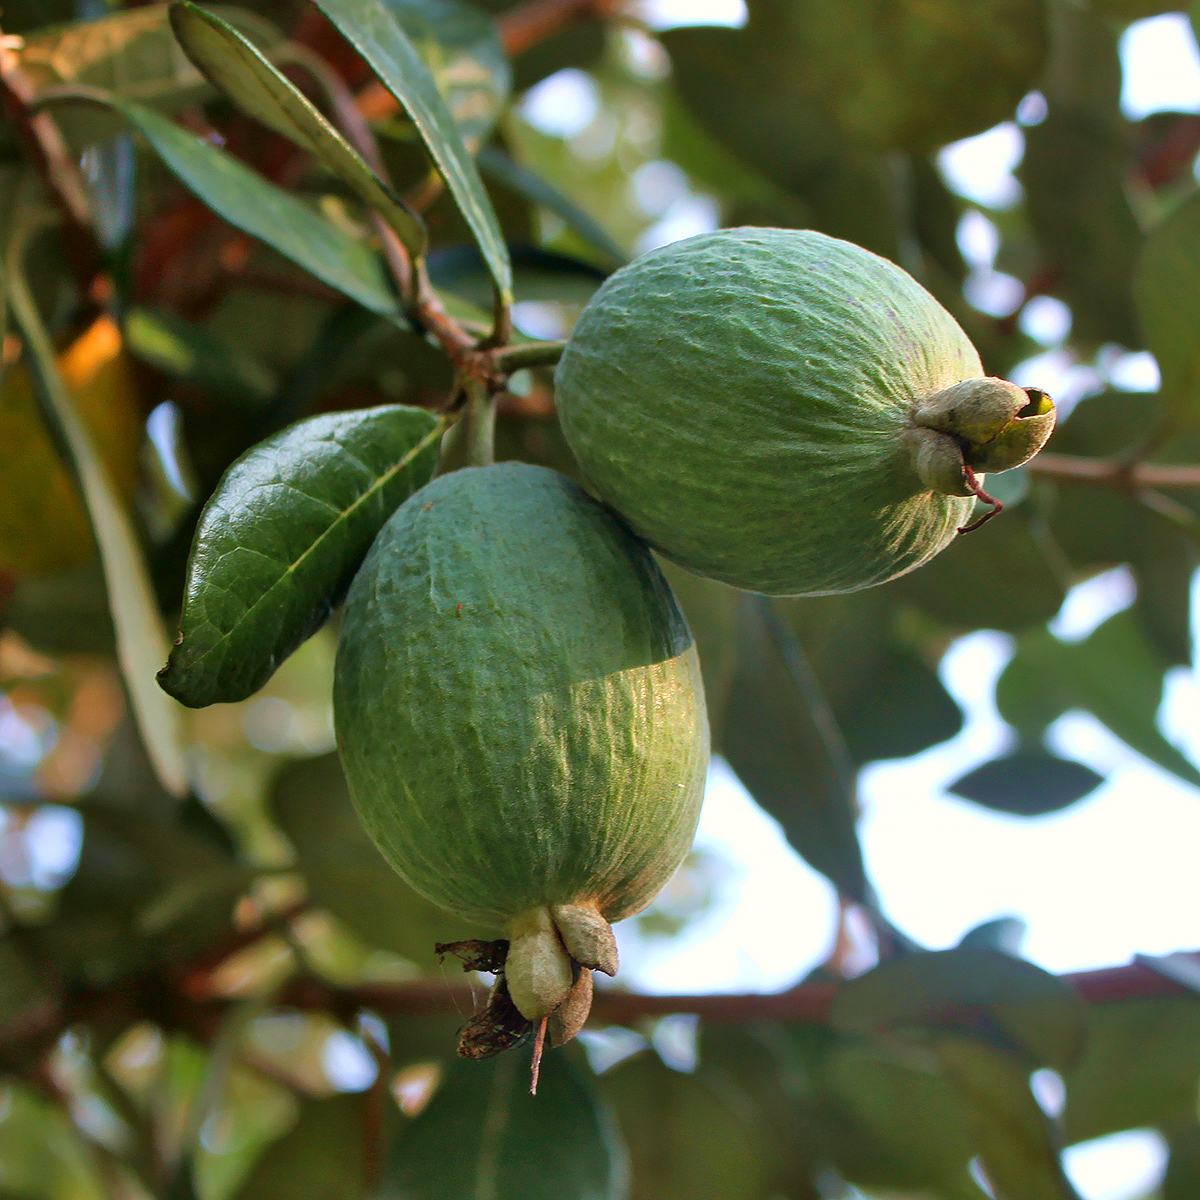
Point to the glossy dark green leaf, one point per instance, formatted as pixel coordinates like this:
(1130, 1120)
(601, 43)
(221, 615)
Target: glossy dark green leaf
(264, 211)
(1182, 1180)
(1028, 783)
(344, 872)
(179, 347)
(1026, 1006)
(1115, 674)
(137, 622)
(1017, 1143)
(1141, 1067)
(483, 1134)
(465, 55)
(237, 68)
(322, 1157)
(281, 538)
(1167, 288)
(371, 27)
(495, 163)
(894, 1124)
(685, 1138)
(902, 709)
(781, 740)
(1002, 576)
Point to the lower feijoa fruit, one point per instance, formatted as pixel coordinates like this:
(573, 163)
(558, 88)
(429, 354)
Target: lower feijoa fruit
(521, 720)
(785, 411)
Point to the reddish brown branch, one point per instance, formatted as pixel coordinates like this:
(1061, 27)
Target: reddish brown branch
(807, 1004)
(1116, 474)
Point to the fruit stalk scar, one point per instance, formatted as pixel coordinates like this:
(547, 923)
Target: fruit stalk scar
(975, 426)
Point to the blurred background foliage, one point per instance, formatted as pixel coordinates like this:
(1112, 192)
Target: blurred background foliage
(226, 993)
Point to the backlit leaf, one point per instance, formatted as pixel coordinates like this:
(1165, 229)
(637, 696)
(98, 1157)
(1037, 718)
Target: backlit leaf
(141, 638)
(1015, 1139)
(281, 538)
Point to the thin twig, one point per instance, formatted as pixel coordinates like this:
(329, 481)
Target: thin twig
(528, 354)
(1116, 474)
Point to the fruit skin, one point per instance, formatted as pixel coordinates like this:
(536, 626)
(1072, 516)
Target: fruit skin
(747, 400)
(519, 708)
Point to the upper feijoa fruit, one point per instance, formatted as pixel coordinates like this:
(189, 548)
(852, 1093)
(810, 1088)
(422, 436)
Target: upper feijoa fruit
(785, 411)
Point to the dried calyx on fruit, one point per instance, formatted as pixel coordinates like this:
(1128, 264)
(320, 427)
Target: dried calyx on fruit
(521, 720)
(785, 411)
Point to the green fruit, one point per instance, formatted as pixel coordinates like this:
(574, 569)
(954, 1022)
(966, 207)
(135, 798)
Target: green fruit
(520, 716)
(785, 411)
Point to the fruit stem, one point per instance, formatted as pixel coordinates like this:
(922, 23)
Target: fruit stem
(539, 1042)
(974, 485)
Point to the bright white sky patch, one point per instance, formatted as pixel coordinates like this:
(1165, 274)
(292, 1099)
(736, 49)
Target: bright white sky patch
(666, 14)
(563, 104)
(1122, 1166)
(981, 167)
(1161, 66)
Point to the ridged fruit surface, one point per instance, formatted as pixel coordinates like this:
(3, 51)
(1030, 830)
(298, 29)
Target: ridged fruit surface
(518, 705)
(744, 399)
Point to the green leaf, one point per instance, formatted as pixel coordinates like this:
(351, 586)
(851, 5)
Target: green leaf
(495, 163)
(177, 346)
(238, 69)
(998, 577)
(465, 55)
(345, 874)
(372, 29)
(686, 1138)
(1029, 783)
(1015, 1000)
(782, 742)
(1074, 173)
(483, 1134)
(42, 1155)
(1166, 289)
(1141, 1067)
(141, 638)
(1017, 1143)
(1115, 674)
(281, 538)
(131, 54)
(916, 76)
(902, 709)
(322, 1157)
(1182, 1181)
(891, 1123)
(258, 207)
